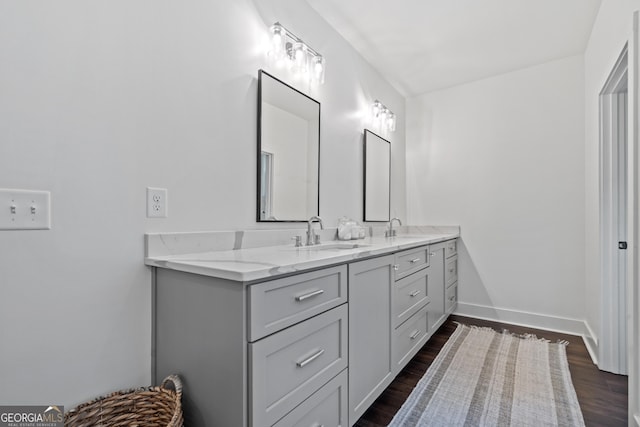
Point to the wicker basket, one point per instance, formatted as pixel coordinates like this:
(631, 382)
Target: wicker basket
(148, 407)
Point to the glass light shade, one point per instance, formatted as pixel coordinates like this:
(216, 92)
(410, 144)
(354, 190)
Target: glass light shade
(376, 109)
(383, 116)
(391, 122)
(277, 51)
(300, 58)
(317, 69)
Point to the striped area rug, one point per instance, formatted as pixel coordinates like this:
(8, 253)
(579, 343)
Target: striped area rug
(485, 378)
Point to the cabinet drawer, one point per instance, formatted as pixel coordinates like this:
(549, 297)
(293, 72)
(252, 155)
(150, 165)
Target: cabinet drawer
(451, 271)
(288, 367)
(451, 248)
(409, 295)
(451, 298)
(326, 407)
(277, 304)
(410, 261)
(410, 337)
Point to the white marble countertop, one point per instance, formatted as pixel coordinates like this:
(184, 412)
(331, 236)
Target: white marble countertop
(258, 263)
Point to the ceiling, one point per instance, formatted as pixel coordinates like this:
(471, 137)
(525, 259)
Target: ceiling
(424, 45)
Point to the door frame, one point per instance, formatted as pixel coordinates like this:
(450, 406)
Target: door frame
(614, 216)
(633, 293)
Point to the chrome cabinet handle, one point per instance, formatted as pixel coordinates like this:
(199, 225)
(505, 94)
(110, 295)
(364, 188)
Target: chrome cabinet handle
(432, 254)
(310, 359)
(415, 334)
(413, 261)
(312, 294)
(396, 267)
(414, 293)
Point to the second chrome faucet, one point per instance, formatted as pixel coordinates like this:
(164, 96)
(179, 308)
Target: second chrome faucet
(312, 237)
(391, 232)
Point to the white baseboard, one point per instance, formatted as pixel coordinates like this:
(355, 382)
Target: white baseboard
(533, 320)
(591, 342)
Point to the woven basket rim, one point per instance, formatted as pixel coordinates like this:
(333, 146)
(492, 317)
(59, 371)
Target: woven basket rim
(159, 393)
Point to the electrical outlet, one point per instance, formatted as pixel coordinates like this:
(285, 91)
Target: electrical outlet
(25, 210)
(156, 202)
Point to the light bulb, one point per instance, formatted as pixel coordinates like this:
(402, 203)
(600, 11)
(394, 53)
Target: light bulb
(391, 122)
(318, 69)
(383, 116)
(376, 109)
(299, 53)
(277, 48)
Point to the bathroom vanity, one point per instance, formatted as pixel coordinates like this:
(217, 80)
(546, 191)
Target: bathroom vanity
(285, 336)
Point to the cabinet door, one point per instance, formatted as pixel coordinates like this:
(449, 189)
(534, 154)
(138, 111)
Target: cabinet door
(451, 301)
(410, 295)
(287, 367)
(370, 332)
(410, 261)
(410, 337)
(326, 407)
(452, 248)
(451, 270)
(436, 286)
(277, 304)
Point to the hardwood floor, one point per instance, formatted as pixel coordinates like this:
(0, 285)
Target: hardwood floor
(602, 395)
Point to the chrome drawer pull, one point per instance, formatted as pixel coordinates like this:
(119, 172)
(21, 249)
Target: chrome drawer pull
(300, 298)
(413, 261)
(415, 334)
(432, 254)
(310, 359)
(396, 267)
(414, 293)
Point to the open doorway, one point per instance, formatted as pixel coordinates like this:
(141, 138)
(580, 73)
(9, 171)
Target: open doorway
(613, 217)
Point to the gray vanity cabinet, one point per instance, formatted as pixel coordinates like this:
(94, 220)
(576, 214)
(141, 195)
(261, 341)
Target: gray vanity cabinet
(312, 348)
(259, 354)
(370, 332)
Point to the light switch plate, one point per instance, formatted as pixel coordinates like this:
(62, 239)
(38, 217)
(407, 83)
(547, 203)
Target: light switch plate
(25, 210)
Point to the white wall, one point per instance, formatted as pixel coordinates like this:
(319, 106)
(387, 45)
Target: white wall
(102, 99)
(503, 157)
(610, 32)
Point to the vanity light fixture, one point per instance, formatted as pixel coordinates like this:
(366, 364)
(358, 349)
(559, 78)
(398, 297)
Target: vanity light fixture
(287, 49)
(382, 116)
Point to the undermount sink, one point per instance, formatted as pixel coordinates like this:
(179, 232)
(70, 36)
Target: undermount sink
(335, 246)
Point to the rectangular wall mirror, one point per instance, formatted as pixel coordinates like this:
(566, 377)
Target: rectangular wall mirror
(288, 152)
(377, 177)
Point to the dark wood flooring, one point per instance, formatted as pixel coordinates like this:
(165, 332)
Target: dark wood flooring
(602, 395)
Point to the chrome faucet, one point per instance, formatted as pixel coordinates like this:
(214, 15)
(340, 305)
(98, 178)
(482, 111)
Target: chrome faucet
(391, 232)
(312, 238)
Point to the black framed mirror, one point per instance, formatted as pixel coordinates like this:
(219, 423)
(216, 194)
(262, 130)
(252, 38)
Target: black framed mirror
(377, 178)
(288, 152)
